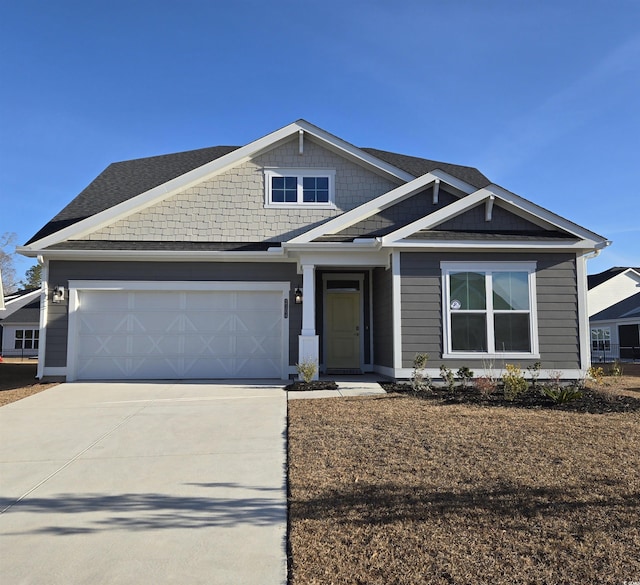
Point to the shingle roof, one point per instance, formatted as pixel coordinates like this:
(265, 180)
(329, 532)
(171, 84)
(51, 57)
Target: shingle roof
(124, 180)
(421, 166)
(594, 280)
(626, 308)
(30, 313)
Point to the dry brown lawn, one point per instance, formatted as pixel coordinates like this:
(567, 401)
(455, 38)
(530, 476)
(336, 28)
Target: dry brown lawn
(394, 489)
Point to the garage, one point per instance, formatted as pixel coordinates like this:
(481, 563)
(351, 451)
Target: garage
(205, 330)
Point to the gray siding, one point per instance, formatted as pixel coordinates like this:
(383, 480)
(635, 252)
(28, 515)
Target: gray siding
(474, 220)
(60, 272)
(399, 215)
(557, 302)
(382, 317)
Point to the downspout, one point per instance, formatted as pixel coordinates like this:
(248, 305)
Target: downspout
(583, 308)
(42, 336)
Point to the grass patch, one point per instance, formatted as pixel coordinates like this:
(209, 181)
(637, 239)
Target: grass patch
(396, 489)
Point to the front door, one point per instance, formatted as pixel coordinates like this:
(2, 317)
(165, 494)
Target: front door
(342, 330)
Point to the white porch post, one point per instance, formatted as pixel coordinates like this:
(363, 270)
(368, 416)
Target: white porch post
(308, 346)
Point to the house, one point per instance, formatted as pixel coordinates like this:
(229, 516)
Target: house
(613, 300)
(20, 324)
(239, 262)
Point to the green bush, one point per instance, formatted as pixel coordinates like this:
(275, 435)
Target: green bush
(562, 394)
(419, 380)
(514, 382)
(448, 378)
(465, 375)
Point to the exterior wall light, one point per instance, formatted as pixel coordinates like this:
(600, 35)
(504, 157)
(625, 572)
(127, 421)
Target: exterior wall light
(298, 296)
(58, 294)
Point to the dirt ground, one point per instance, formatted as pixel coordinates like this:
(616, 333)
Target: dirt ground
(18, 380)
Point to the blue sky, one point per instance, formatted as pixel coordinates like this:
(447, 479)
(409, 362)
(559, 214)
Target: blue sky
(543, 97)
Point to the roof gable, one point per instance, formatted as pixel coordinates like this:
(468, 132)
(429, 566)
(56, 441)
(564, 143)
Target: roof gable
(230, 206)
(15, 301)
(625, 309)
(125, 187)
(466, 215)
(29, 313)
(602, 277)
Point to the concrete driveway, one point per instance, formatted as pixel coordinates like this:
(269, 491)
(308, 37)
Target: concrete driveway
(123, 483)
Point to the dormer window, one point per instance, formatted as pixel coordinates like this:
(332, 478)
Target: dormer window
(300, 188)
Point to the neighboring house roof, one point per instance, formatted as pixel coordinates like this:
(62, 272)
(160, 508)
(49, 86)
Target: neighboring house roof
(17, 300)
(28, 314)
(625, 309)
(594, 280)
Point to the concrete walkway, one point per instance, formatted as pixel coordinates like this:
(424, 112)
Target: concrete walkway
(361, 385)
(122, 484)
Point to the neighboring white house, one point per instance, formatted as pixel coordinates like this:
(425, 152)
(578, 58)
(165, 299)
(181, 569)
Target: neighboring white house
(613, 302)
(20, 324)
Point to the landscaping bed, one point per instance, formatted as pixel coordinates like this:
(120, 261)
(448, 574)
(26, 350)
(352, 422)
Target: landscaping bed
(593, 400)
(398, 489)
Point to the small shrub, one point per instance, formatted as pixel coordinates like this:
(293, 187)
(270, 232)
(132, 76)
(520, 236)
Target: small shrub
(486, 385)
(596, 374)
(616, 369)
(534, 372)
(514, 382)
(419, 380)
(307, 369)
(465, 375)
(562, 394)
(447, 376)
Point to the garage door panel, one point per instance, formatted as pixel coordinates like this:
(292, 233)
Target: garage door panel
(179, 334)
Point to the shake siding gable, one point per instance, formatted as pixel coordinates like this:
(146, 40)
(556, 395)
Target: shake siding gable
(230, 206)
(557, 303)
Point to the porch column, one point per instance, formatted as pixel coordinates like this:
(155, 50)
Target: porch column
(308, 346)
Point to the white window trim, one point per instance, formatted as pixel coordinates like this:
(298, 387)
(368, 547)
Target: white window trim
(269, 173)
(488, 267)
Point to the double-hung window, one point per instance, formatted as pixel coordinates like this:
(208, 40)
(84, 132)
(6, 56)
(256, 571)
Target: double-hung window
(601, 338)
(489, 309)
(26, 339)
(300, 188)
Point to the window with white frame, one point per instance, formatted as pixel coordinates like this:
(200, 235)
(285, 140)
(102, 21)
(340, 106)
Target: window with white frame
(601, 338)
(300, 187)
(26, 339)
(489, 309)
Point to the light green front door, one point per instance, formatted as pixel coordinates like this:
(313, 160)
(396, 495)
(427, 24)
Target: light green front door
(343, 330)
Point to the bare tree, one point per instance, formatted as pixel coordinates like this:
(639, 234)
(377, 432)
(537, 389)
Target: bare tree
(7, 242)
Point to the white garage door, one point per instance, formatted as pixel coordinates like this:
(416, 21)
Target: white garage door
(144, 334)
